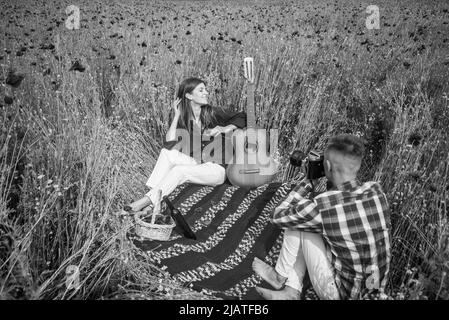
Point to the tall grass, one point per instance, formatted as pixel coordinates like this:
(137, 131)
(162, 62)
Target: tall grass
(82, 144)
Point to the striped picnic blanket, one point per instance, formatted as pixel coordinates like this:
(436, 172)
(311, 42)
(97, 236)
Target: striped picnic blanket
(232, 227)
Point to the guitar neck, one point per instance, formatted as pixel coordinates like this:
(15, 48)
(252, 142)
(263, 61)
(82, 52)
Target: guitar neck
(250, 110)
(251, 115)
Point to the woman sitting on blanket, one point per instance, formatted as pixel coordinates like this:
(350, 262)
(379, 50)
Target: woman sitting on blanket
(182, 160)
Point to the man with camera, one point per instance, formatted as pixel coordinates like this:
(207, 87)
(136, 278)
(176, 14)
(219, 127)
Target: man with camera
(340, 237)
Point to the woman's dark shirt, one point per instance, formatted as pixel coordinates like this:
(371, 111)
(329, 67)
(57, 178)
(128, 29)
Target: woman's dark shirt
(222, 118)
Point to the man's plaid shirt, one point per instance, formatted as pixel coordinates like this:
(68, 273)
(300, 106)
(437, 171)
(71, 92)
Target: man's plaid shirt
(354, 220)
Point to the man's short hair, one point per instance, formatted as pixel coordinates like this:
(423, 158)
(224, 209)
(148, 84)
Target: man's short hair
(348, 145)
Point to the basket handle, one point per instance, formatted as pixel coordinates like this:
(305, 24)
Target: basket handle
(157, 205)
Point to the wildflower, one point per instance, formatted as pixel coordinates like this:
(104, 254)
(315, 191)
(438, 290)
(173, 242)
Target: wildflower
(414, 139)
(383, 296)
(13, 79)
(39, 177)
(8, 100)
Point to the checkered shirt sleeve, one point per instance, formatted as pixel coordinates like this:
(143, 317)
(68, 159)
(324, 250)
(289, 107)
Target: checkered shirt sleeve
(297, 211)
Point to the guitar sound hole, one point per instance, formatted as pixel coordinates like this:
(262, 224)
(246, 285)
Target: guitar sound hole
(253, 147)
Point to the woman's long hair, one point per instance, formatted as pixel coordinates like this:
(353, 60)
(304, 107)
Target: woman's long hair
(207, 115)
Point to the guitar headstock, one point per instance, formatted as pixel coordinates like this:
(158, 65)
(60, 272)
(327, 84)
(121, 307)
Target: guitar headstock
(248, 67)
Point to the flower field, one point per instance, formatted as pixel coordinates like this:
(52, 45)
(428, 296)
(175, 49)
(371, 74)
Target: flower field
(84, 112)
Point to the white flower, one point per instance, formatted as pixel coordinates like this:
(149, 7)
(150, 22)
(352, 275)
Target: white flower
(383, 296)
(40, 177)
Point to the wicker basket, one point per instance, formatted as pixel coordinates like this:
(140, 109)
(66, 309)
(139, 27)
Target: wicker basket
(152, 230)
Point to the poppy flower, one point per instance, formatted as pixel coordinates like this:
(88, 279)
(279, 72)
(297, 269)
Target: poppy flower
(77, 66)
(414, 139)
(14, 80)
(47, 46)
(8, 99)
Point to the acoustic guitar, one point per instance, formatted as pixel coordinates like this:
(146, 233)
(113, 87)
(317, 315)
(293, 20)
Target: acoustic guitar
(252, 166)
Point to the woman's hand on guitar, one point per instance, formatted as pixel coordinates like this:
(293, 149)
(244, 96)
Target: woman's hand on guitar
(215, 131)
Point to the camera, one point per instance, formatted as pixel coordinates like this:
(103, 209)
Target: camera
(315, 165)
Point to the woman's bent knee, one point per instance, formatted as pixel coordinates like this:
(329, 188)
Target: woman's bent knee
(166, 151)
(207, 174)
(221, 174)
(180, 171)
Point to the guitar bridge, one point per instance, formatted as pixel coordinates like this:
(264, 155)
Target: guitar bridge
(249, 171)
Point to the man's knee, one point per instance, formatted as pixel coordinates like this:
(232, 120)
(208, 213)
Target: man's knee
(291, 242)
(325, 287)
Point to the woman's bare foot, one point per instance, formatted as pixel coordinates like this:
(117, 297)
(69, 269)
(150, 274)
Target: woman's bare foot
(288, 293)
(268, 273)
(138, 204)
